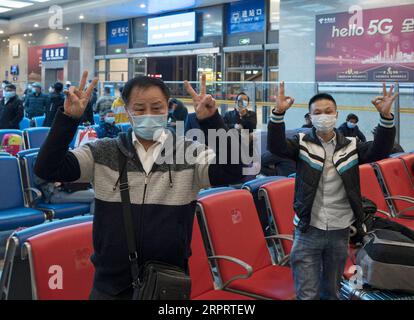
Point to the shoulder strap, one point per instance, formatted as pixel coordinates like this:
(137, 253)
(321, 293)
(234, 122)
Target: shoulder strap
(127, 215)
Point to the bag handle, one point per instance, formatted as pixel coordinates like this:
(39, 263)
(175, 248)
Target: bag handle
(127, 215)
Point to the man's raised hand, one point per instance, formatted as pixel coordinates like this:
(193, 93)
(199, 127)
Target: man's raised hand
(384, 103)
(283, 103)
(77, 98)
(204, 104)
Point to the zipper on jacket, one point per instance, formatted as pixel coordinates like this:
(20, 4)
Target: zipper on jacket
(141, 220)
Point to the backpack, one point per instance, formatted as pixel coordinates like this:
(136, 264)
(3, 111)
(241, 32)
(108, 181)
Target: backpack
(12, 143)
(386, 260)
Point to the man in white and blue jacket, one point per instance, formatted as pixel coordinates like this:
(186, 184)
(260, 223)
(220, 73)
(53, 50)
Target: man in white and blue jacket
(163, 195)
(327, 191)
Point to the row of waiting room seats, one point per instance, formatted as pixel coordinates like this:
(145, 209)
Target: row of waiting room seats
(234, 254)
(34, 137)
(26, 123)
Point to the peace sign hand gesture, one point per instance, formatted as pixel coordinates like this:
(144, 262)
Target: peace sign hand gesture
(384, 103)
(283, 103)
(204, 104)
(77, 98)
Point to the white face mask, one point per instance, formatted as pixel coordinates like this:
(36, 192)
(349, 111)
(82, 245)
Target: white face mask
(324, 122)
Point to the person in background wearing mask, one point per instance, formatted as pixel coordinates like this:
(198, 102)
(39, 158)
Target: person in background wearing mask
(107, 128)
(118, 108)
(11, 108)
(177, 111)
(327, 193)
(57, 99)
(350, 128)
(241, 117)
(68, 84)
(27, 92)
(166, 193)
(308, 121)
(36, 103)
(3, 86)
(104, 103)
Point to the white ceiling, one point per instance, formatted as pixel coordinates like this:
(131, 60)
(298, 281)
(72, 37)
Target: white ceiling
(94, 11)
(19, 7)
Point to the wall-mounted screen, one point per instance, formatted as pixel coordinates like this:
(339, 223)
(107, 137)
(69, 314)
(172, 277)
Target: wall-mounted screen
(178, 28)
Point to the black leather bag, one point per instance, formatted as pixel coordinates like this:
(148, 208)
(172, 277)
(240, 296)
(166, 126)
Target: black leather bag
(163, 282)
(159, 281)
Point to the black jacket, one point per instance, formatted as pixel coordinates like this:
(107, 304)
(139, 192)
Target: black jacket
(11, 113)
(248, 121)
(355, 132)
(36, 104)
(307, 151)
(57, 100)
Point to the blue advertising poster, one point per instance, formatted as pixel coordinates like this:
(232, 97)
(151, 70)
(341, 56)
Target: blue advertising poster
(246, 16)
(117, 32)
(55, 54)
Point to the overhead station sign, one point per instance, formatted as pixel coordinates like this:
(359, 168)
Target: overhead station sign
(178, 28)
(117, 32)
(54, 54)
(246, 16)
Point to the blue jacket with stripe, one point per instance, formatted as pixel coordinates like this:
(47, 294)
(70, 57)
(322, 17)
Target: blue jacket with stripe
(309, 154)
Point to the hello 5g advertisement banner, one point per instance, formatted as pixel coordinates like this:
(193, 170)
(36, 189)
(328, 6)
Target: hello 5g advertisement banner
(366, 45)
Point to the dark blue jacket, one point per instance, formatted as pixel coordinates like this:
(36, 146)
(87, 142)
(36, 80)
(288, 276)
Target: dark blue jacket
(106, 130)
(355, 132)
(35, 105)
(191, 122)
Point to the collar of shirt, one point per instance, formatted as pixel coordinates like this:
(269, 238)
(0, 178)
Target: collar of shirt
(148, 157)
(332, 141)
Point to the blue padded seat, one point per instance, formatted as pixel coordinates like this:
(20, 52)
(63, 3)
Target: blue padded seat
(35, 137)
(57, 210)
(65, 210)
(253, 187)
(11, 219)
(38, 121)
(208, 192)
(24, 124)
(24, 234)
(13, 213)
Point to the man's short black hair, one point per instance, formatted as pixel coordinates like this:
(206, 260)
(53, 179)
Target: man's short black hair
(307, 115)
(121, 88)
(177, 102)
(144, 82)
(10, 86)
(58, 86)
(242, 94)
(352, 116)
(321, 96)
(107, 90)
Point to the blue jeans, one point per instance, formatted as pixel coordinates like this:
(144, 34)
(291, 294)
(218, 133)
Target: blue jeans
(318, 261)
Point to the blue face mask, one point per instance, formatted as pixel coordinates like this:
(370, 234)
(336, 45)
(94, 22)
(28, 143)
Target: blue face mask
(147, 126)
(34, 91)
(110, 120)
(9, 94)
(242, 103)
(351, 125)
